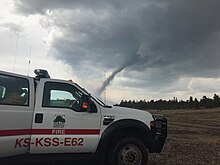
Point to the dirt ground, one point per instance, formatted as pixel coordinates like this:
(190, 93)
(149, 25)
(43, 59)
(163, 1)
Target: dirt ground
(193, 138)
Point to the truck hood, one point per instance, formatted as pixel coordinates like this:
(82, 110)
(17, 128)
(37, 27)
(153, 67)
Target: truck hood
(128, 113)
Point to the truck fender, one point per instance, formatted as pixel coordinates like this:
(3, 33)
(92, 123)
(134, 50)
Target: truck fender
(114, 128)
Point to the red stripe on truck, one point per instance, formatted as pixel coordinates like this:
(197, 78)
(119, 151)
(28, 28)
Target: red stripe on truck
(49, 132)
(15, 132)
(66, 131)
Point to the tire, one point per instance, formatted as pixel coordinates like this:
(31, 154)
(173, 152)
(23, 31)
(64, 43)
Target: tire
(128, 151)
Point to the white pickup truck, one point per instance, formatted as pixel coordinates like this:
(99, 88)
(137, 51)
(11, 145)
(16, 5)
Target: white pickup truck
(40, 115)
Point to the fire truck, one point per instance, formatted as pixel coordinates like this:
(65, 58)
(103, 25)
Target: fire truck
(44, 116)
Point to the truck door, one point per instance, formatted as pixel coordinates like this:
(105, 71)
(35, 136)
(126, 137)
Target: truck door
(16, 113)
(59, 125)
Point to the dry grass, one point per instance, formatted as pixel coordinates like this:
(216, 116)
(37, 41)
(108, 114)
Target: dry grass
(193, 138)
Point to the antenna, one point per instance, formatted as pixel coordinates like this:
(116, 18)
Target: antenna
(105, 92)
(16, 48)
(29, 61)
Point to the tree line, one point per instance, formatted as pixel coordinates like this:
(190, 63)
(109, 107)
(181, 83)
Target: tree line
(191, 103)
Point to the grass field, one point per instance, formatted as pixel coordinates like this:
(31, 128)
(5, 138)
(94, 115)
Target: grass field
(193, 138)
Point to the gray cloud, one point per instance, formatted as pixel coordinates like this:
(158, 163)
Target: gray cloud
(40, 6)
(13, 27)
(164, 39)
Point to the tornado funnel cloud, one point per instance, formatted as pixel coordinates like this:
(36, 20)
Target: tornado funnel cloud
(109, 79)
(114, 73)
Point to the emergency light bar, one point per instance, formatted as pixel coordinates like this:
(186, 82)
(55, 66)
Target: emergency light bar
(41, 73)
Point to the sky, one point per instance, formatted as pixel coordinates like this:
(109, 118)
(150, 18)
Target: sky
(118, 50)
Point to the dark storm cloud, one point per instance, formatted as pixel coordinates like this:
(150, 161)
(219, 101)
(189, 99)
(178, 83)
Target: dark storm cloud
(168, 38)
(40, 6)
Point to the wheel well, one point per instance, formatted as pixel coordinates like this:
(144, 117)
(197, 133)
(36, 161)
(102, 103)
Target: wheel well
(129, 132)
(121, 129)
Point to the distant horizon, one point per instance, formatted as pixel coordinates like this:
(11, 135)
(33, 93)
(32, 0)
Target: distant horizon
(192, 103)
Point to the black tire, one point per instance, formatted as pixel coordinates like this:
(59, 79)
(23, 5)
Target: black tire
(128, 151)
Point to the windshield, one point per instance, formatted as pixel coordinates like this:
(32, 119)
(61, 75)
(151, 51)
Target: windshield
(98, 100)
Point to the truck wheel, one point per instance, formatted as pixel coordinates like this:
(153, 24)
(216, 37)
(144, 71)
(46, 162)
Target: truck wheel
(128, 151)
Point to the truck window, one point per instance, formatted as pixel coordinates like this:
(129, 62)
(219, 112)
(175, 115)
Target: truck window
(14, 90)
(61, 95)
(2, 92)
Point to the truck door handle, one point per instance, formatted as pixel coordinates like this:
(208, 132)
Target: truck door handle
(39, 118)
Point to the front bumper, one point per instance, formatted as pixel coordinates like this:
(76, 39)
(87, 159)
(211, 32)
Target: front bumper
(159, 133)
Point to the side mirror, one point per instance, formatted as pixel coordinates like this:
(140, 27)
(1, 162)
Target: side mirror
(85, 106)
(88, 105)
